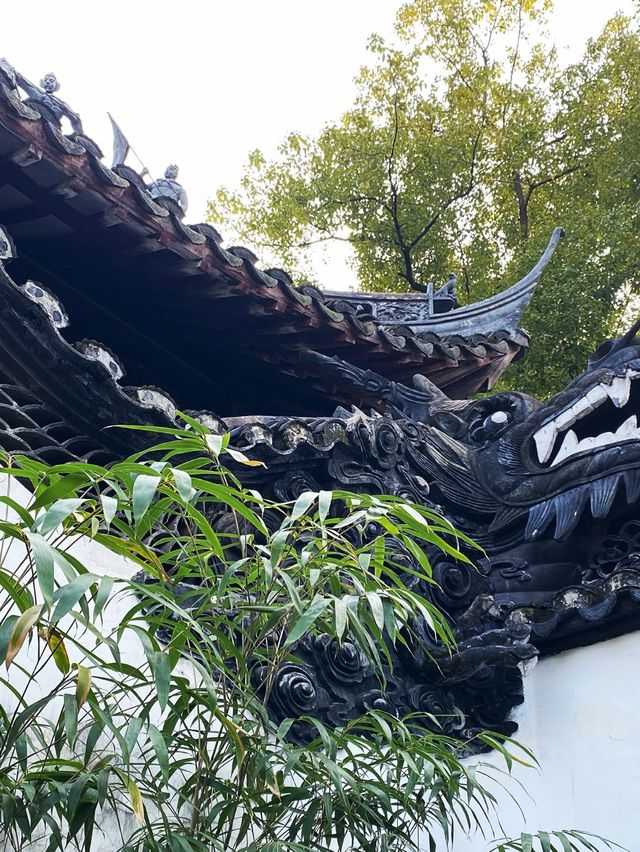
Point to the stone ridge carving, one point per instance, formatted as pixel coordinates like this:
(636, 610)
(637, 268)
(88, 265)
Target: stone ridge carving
(44, 413)
(462, 694)
(550, 490)
(405, 310)
(411, 313)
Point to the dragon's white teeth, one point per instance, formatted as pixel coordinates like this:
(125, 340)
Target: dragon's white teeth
(580, 407)
(585, 405)
(598, 394)
(618, 391)
(564, 419)
(568, 447)
(545, 439)
(627, 431)
(589, 402)
(629, 428)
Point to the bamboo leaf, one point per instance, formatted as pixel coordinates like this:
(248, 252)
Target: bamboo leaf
(566, 844)
(160, 748)
(132, 733)
(307, 619)
(377, 609)
(68, 596)
(59, 487)
(144, 490)
(109, 508)
(278, 544)
(341, 617)
(18, 593)
(6, 629)
(21, 630)
(70, 718)
(58, 649)
(104, 592)
(83, 685)
(234, 731)
(162, 671)
(24, 514)
(239, 457)
(302, 504)
(324, 504)
(137, 803)
(43, 556)
(545, 841)
(215, 443)
(183, 484)
(58, 513)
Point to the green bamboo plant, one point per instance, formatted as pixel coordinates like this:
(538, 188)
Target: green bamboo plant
(128, 699)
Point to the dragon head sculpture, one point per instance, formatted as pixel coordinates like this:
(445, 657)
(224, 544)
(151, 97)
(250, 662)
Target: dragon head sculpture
(543, 465)
(549, 489)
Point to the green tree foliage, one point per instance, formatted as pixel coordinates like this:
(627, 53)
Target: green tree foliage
(142, 699)
(466, 145)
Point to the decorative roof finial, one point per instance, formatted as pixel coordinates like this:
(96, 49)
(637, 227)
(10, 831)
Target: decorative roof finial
(48, 104)
(449, 288)
(169, 188)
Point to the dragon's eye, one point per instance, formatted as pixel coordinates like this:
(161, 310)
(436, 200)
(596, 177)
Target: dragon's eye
(499, 417)
(489, 417)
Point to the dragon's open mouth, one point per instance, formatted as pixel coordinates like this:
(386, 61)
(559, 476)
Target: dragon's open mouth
(604, 415)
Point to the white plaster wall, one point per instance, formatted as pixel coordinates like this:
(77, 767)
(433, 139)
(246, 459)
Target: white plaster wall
(580, 718)
(101, 562)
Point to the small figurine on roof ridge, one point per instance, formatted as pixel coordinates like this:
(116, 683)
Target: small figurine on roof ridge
(45, 100)
(169, 188)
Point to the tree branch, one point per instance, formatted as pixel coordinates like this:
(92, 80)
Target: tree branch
(568, 171)
(523, 203)
(461, 193)
(405, 250)
(523, 197)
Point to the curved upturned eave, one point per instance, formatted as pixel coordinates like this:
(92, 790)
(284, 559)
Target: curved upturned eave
(500, 312)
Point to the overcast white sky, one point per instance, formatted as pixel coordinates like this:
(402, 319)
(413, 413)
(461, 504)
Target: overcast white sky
(204, 82)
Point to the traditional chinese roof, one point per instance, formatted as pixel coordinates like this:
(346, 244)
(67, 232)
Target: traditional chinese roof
(205, 321)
